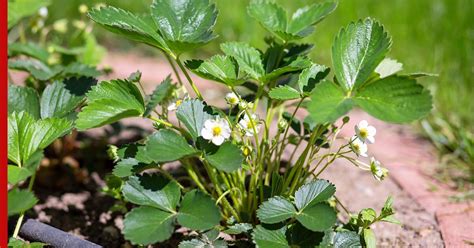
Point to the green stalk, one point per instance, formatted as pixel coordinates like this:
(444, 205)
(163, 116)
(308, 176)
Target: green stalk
(22, 215)
(173, 66)
(225, 202)
(186, 74)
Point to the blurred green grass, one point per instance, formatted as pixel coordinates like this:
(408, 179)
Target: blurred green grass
(434, 36)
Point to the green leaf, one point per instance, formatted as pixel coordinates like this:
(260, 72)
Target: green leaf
(79, 86)
(26, 136)
(128, 25)
(248, 58)
(299, 236)
(367, 216)
(328, 103)
(275, 209)
(198, 211)
(36, 68)
(347, 239)
(184, 24)
(109, 102)
(388, 67)
(166, 145)
(127, 167)
(93, 53)
(270, 15)
(369, 238)
(17, 243)
(317, 217)
(303, 20)
(284, 92)
(265, 238)
(314, 192)
(146, 225)
(395, 99)
(20, 9)
(57, 101)
(238, 228)
(20, 200)
(78, 69)
(29, 49)
(309, 77)
(17, 174)
(275, 19)
(23, 99)
(357, 51)
(193, 113)
(152, 190)
(219, 68)
(196, 243)
(228, 157)
(298, 64)
(161, 92)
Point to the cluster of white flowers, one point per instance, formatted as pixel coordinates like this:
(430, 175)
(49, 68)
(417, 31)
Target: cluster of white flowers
(365, 134)
(218, 130)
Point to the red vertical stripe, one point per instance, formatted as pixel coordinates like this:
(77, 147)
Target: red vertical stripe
(4, 127)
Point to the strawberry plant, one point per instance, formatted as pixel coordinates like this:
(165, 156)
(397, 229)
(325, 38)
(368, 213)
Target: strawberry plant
(253, 169)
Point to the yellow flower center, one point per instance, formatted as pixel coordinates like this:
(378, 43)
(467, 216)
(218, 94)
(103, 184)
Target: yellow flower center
(356, 147)
(178, 102)
(250, 125)
(216, 131)
(363, 133)
(232, 100)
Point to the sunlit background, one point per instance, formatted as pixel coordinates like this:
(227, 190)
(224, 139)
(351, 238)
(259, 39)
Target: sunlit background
(435, 36)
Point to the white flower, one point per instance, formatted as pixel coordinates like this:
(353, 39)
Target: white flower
(43, 12)
(232, 99)
(250, 124)
(358, 146)
(377, 170)
(217, 131)
(83, 8)
(365, 132)
(173, 106)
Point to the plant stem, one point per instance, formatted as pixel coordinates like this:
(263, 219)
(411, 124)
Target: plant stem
(173, 66)
(214, 180)
(186, 74)
(160, 121)
(282, 147)
(22, 215)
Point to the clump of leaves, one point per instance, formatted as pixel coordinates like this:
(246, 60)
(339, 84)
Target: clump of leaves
(45, 109)
(258, 183)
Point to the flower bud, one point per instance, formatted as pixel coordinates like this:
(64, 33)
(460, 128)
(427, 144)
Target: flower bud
(112, 152)
(282, 124)
(83, 8)
(43, 12)
(60, 26)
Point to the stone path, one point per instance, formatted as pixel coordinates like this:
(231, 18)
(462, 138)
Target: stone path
(429, 218)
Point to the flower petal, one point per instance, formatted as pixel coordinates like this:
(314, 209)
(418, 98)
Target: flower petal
(206, 133)
(371, 130)
(218, 140)
(363, 123)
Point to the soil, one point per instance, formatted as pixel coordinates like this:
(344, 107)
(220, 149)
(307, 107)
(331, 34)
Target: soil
(82, 209)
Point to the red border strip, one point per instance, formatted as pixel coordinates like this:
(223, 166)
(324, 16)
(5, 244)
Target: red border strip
(4, 127)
